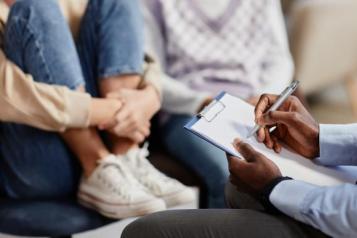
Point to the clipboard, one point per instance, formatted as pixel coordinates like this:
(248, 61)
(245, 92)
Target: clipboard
(209, 113)
(228, 117)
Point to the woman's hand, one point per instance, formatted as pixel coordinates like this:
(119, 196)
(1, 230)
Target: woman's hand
(294, 126)
(103, 110)
(133, 119)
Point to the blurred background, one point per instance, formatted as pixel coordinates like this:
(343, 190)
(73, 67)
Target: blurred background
(323, 41)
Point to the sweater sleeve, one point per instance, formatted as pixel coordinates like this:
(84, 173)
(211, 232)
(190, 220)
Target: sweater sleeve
(278, 64)
(152, 74)
(52, 108)
(177, 96)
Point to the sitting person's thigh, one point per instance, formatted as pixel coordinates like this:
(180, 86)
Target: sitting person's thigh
(225, 223)
(35, 163)
(237, 199)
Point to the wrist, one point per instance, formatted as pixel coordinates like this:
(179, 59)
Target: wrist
(103, 110)
(314, 144)
(153, 90)
(317, 154)
(153, 98)
(267, 190)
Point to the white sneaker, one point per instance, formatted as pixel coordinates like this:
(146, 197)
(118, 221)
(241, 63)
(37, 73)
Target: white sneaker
(114, 192)
(170, 190)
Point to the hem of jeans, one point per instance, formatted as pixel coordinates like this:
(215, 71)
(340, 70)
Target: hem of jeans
(73, 86)
(120, 71)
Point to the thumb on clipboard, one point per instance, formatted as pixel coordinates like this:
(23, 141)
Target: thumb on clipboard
(255, 172)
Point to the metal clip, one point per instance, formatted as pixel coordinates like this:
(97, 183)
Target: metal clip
(210, 112)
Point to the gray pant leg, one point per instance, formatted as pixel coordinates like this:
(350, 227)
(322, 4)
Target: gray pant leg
(213, 223)
(248, 222)
(235, 199)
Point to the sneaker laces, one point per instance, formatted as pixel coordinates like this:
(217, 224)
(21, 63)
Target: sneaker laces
(117, 177)
(147, 173)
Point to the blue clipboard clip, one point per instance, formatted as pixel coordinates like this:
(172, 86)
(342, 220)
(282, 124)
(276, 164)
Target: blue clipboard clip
(210, 112)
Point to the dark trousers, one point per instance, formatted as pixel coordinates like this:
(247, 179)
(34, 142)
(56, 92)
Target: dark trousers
(246, 219)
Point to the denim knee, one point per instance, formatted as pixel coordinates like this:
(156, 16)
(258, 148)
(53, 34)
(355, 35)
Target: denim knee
(30, 15)
(105, 6)
(120, 30)
(42, 12)
(218, 181)
(39, 41)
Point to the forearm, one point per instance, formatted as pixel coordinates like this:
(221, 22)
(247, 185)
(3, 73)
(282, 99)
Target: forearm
(153, 97)
(329, 209)
(103, 110)
(116, 83)
(43, 106)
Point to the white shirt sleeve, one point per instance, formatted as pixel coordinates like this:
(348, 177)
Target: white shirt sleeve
(338, 145)
(333, 210)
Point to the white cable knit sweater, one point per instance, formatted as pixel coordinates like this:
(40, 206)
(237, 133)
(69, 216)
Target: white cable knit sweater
(206, 46)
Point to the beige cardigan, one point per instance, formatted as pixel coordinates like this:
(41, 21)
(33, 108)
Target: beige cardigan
(48, 107)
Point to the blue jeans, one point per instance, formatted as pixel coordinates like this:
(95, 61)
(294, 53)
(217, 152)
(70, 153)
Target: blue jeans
(35, 164)
(206, 160)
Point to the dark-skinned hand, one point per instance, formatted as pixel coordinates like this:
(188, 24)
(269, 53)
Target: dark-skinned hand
(252, 172)
(294, 126)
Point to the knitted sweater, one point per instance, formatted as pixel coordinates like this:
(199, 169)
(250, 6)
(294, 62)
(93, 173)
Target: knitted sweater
(243, 51)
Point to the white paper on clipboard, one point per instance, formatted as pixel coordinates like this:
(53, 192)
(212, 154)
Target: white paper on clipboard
(230, 117)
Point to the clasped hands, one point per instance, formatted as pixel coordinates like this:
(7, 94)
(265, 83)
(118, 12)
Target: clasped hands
(295, 127)
(132, 120)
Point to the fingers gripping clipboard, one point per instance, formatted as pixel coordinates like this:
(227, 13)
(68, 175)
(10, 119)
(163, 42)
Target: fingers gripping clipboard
(228, 117)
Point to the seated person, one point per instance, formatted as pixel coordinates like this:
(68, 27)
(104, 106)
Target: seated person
(209, 46)
(117, 179)
(310, 210)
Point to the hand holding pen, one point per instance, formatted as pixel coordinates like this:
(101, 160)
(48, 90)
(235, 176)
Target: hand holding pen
(295, 127)
(278, 102)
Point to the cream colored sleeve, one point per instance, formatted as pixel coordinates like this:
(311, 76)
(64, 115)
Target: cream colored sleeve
(152, 74)
(47, 107)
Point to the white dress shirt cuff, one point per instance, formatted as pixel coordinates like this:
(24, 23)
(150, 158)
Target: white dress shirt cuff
(288, 197)
(338, 145)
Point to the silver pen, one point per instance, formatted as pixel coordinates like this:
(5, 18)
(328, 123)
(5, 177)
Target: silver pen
(281, 99)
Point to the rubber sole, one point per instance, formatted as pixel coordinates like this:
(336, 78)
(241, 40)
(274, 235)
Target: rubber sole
(178, 198)
(118, 211)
